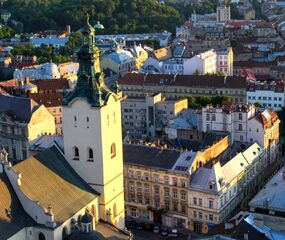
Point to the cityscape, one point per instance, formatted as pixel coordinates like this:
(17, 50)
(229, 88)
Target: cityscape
(138, 120)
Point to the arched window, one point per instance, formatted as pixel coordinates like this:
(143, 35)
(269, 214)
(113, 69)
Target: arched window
(113, 150)
(90, 154)
(76, 153)
(75, 121)
(87, 122)
(64, 233)
(42, 236)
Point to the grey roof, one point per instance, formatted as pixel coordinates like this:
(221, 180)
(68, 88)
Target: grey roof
(272, 196)
(49, 179)
(13, 218)
(150, 156)
(19, 108)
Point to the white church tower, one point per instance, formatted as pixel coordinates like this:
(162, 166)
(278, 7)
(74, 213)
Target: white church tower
(93, 131)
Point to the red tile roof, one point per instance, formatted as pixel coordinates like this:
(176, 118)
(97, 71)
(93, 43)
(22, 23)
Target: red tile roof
(51, 85)
(184, 80)
(48, 99)
(239, 23)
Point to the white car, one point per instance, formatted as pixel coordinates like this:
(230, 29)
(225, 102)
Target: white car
(156, 230)
(173, 233)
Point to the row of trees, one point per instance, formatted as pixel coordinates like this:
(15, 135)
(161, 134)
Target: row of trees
(118, 16)
(201, 101)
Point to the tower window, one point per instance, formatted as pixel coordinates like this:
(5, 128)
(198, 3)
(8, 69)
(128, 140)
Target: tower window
(76, 153)
(87, 122)
(75, 121)
(90, 155)
(113, 150)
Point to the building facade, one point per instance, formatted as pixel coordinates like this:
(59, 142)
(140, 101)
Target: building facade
(22, 121)
(179, 86)
(149, 115)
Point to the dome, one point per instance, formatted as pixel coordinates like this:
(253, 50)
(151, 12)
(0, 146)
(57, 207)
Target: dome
(86, 218)
(93, 235)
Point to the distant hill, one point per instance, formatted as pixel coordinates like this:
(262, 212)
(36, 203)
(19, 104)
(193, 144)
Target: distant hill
(118, 16)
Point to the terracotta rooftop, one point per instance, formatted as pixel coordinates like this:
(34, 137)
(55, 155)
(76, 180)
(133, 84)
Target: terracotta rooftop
(51, 84)
(50, 99)
(239, 23)
(183, 80)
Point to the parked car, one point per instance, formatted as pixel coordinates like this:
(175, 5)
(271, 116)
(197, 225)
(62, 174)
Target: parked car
(148, 226)
(156, 229)
(173, 233)
(164, 232)
(140, 226)
(131, 224)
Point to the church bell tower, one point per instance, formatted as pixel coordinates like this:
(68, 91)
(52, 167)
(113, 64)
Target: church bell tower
(93, 132)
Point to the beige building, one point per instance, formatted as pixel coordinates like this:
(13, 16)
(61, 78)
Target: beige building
(218, 188)
(22, 121)
(223, 13)
(180, 86)
(225, 61)
(149, 115)
(156, 180)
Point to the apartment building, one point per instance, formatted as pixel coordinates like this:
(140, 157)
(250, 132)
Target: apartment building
(179, 86)
(149, 115)
(225, 61)
(269, 95)
(223, 13)
(218, 188)
(22, 121)
(245, 123)
(156, 180)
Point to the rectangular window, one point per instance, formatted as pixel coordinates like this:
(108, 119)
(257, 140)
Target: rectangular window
(195, 201)
(183, 208)
(211, 204)
(147, 200)
(240, 127)
(175, 207)
(200, 201)
(211, 217)
(200, 215)
(156, 190)
(155, 178)
(174, 193)
(194, 214)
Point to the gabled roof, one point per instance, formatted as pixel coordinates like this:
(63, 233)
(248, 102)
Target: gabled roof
(48, 178)
(53, 99)
(13, 217)
(19, 108)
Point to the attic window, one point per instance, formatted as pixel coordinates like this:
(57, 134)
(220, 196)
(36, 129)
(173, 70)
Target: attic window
(210, 186)
(254, 153)
(258, 149)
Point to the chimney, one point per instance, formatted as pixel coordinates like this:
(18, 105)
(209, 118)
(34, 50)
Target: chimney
(27, 80)
(68, 30)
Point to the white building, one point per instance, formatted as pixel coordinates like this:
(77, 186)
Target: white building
(268, 95)
(42, 71)
(245, 124)
(204, 63)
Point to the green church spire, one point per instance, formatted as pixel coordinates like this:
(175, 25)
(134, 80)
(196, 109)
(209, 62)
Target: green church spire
(90, 83)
